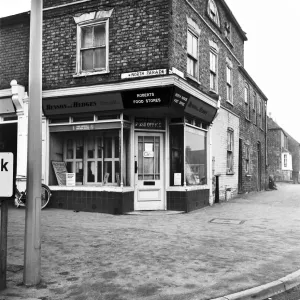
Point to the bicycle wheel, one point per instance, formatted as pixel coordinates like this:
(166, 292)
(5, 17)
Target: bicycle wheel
(45, 195)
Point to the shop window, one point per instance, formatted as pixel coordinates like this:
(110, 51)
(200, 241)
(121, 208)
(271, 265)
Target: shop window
(92, 42)
(247, 159)
(247, 101)
(95, 157)
(230, 147)
(195, 156)
(212, 11)
(176, 155)
(192, 54)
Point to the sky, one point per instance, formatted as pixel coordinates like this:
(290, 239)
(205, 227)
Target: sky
(271, 53)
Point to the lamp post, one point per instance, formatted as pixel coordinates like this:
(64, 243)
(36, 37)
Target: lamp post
(32, 254)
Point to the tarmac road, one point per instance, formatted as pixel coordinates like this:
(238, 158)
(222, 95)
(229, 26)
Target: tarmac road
(209, 253)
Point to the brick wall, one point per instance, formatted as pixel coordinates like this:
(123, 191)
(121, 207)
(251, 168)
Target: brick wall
(274, 152)
(14, 50)
(138, 40)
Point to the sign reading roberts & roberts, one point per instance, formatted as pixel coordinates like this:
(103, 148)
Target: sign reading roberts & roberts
(137, 74)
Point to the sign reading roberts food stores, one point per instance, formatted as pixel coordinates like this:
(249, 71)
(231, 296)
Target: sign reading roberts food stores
(6, 174)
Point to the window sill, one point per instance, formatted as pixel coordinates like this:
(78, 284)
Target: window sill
(188, 76)
(248, 175)
(85, 74)
(247, 119)
(229, 42)
(230, 173)
(229, 102)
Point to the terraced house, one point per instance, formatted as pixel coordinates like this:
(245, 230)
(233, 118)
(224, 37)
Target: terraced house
(147, 105)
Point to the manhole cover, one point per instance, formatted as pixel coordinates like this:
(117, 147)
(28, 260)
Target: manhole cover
(227, 221)
(14, 268)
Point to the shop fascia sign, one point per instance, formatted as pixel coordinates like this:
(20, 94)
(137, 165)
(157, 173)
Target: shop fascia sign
(138, 74)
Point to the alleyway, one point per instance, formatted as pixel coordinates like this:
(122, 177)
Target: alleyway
(208, 253)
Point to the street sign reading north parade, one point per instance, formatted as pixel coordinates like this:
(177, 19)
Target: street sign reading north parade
(6, 174)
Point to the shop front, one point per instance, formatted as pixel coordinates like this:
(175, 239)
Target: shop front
(130, 149)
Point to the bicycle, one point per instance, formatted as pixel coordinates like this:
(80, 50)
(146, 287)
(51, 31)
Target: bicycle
(20, 197)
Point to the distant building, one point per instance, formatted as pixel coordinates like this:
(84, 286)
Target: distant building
(280, 159)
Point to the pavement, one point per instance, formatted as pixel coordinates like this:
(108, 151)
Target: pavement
(246, 248)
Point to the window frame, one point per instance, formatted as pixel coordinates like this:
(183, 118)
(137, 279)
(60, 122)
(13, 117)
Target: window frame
(227, 31)
(254, 110)
(213, 73)
(229, 85)
(213, 15)
(247, 101)
(191, 56)
(91, 23)
(230, 151)
(247, 158)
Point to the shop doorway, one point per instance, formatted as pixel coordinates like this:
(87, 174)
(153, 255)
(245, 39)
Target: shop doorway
(149, 171)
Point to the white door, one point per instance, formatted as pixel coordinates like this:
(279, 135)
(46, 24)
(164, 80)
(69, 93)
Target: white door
(149, 171)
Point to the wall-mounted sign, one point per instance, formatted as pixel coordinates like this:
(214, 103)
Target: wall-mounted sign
(138, 74)
(180, 98)
(84, 127)
(200, 109)
(153, 97)
(149, 123)
(82, 103)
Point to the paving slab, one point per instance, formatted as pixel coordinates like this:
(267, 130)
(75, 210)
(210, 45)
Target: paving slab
(221, 250)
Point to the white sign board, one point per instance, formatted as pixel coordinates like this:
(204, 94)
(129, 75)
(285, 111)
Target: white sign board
(137, 74)
(70, 179)
(177, 178)
(6, 174)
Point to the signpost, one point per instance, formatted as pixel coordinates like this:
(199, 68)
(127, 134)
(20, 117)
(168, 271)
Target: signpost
(6, 191)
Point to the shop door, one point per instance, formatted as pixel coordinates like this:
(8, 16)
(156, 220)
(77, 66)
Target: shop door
(149, 172)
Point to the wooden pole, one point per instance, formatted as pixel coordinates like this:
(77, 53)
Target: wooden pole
(32, 253)
(3, 243)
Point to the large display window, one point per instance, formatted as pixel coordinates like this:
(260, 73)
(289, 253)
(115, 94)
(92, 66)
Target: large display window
(188, 154)
(94, 156)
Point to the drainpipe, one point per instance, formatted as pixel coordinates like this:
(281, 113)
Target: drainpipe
(266, 148)
(210, 145)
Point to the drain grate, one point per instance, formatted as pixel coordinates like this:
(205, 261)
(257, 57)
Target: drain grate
(227, 221)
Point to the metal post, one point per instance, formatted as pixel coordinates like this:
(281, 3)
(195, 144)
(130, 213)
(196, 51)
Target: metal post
(3, 243)
(32, 255)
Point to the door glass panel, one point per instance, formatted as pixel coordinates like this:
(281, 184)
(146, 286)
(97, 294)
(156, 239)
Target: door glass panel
(107, 147)
(108, 171)
(91, 171)
(148, 158)
(117, 172)
(70, 167)
(69, 149)
(99, 145)
(79, 171)
(79, 148)
(91, 147)
(99, 171)
(116, 147)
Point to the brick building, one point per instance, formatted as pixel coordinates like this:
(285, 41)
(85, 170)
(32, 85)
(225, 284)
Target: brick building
(280, 158)
(135, 95)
